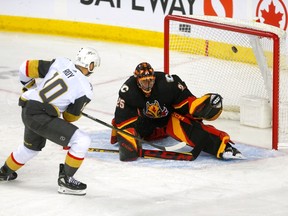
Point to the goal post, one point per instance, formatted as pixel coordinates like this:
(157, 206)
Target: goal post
(244, 61)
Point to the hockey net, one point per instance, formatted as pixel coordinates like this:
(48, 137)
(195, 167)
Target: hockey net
(245, 62)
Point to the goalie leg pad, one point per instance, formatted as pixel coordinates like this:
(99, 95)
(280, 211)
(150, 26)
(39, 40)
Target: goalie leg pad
(113, 138)
(198, 135)
(128, 146)
(158, 133)
(222, 146)
(185, 130)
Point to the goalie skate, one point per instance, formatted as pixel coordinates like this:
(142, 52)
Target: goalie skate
(232, 153)
(69, 185)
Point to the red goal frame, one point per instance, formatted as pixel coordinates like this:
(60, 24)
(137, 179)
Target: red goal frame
(260, 33)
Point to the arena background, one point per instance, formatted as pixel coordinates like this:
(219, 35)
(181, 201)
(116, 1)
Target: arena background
(130, 21)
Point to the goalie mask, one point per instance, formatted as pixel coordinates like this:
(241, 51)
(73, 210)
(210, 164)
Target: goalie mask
(145, 77)
(88, 58)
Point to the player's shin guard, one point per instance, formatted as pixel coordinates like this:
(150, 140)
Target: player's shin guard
(128, 146)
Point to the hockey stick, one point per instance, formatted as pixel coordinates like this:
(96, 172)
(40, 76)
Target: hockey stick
(169, 148)
(145, 153)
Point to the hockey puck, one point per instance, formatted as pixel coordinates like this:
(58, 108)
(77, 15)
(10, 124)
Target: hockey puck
(234, 49)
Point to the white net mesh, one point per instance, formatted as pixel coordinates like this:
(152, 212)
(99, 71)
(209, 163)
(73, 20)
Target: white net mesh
(233, 64)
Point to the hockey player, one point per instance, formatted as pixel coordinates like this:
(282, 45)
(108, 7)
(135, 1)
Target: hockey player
(154, 105)
(63, 90)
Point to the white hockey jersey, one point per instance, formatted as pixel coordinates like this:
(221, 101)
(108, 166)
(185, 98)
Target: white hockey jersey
(62, 84)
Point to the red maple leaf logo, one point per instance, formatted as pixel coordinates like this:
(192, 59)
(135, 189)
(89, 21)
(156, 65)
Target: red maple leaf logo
(271, 17)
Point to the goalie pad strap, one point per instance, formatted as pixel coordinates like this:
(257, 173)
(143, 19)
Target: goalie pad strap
(222, 146)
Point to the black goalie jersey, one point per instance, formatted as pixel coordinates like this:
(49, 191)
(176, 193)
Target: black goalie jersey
(169, 93)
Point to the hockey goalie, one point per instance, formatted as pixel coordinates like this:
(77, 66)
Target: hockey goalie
(153, 105)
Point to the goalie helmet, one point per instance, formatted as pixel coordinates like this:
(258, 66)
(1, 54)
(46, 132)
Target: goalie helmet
(88, 58)
(145, 77)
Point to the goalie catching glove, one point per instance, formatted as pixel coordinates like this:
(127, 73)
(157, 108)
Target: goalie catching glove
(208, 107)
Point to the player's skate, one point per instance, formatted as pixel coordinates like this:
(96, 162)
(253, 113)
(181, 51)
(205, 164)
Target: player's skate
(69, 185)
(232, 153)
(5, 177)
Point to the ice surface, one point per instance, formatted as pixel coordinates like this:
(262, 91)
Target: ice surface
(207, 186)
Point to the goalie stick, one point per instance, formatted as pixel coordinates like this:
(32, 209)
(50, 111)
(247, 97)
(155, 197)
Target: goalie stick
(150, 154)
(168, 148)
(168, 155)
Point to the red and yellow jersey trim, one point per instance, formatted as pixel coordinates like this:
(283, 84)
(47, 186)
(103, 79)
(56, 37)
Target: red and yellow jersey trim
(130, 139)
(32, 68)
(177, 129)
(197, 102)
(188, 101)
(70, 117)
(127, 122)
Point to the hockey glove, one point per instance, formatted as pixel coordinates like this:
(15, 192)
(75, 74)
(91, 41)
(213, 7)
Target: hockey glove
(208, 107)
(29, 85)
